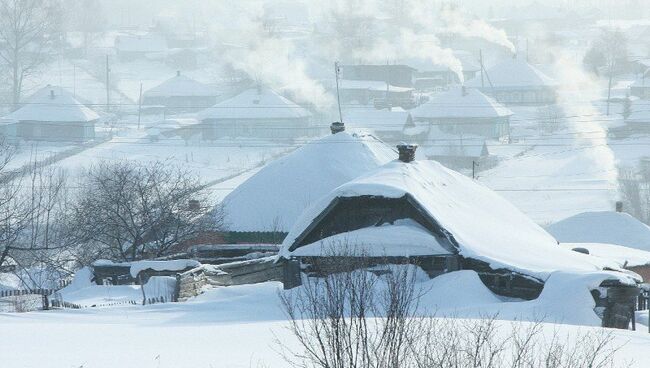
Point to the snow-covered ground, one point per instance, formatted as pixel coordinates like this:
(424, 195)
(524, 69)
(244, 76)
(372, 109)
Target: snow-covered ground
(239, 326)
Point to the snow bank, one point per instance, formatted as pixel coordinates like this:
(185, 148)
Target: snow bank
(273, 198)
(457, 290)
(603, 227)
(484, 225)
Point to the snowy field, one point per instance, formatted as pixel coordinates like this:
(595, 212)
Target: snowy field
(239, 327)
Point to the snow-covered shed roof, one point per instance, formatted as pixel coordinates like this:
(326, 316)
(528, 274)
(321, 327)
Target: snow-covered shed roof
(181, 86)
(603, 227)
(461, 103)
(274, 197)
(513, 73)
(376, 119)
(55, 104)
(256, 103)
(482, 225)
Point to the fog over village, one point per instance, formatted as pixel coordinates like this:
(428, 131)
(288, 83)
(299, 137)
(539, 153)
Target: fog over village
(324, 184)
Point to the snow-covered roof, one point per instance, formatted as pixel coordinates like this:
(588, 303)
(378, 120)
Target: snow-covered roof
(53, 104)
(603, 227)
(623, 256)
(370, 85)
(456, 104)
(256, 103)
(483, 225)
(376, 119)
(181, 86)
(275, 196)
(513, 73)
(140, 43)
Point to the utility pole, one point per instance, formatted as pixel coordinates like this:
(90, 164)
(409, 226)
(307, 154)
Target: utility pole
(609, 86)
(474, 165)
(108, 88)
(140, 106)
(337, 70)
(480, 59)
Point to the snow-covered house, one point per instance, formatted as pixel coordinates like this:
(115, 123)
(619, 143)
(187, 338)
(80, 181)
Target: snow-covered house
(274, 197)
(423, 213)
(256, 113)
(458, 151)
(515, 81)
(639, 119)
(131, 47)
(640, 87)
(430, 75)
(387, 124)
(181, 94)
(465, 111)
(378, 93)
(54, 114)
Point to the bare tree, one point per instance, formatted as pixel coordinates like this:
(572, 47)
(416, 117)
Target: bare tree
(353, 312)
(28, 31)
(131, 211)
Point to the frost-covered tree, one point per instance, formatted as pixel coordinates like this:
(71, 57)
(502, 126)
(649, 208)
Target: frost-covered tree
(131, 211)
(29, 30)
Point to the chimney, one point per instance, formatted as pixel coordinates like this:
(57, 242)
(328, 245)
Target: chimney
(619, 206)
(178, 73)
(406, 152)
(337, 127)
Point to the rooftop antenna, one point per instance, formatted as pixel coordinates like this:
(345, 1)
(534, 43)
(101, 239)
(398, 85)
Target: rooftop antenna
(337, 71)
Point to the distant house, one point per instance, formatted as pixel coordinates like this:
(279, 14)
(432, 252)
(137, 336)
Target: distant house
(422, 213)
(54, 114)
(386, 124)
(516, 82)
(273, 198)
(256, 113)
(457, 151)
(465, 111)
(181, 94)
(375, 93)
(430, 75)
(640, 87)
(639, 119)
(132, 47)
(395, 75)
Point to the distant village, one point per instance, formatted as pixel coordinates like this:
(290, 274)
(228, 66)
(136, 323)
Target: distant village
(520, 158)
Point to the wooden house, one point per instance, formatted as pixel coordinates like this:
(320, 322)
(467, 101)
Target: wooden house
(130, 47)
(422, 213)
(639, 119)
(516, 82)
(395, 75)
(259, 113)
(465, 111)
(180, 94)
(375, 93)
(640, 87)
(54, 114)
(458, 151)
(430, 75)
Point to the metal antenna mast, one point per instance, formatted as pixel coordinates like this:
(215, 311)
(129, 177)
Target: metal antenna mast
(337, 70)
